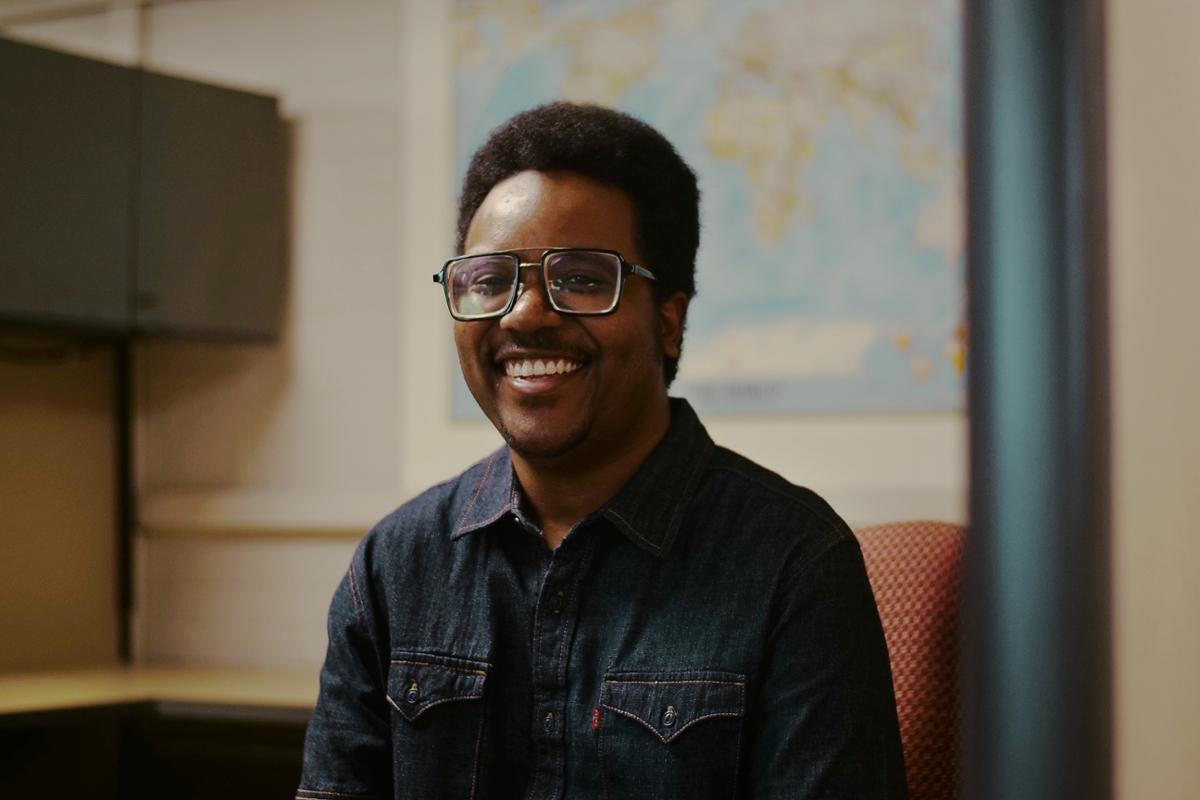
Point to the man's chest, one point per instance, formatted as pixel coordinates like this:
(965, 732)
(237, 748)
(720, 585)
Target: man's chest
(585, 672)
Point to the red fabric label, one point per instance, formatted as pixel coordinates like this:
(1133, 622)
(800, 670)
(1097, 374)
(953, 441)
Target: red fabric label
(596, 718)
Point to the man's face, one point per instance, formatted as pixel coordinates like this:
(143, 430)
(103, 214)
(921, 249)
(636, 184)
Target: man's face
(611, 374)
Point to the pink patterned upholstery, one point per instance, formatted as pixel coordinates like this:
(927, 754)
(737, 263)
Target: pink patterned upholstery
(914, 570)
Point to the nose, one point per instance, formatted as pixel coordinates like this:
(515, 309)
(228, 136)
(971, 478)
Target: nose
(532, 311)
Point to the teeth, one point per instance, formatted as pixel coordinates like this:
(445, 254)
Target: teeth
(525, 369)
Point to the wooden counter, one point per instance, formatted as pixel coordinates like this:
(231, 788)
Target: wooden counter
(185, 692)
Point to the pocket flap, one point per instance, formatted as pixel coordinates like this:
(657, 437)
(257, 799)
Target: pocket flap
(669, 704)
(419, 681)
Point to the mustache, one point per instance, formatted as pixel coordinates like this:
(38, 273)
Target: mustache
(544, 339)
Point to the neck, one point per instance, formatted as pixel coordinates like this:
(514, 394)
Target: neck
(563, 490)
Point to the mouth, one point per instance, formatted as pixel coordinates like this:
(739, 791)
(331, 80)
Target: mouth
(527, 369)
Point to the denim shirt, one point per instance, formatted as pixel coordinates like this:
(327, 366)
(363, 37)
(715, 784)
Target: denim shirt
(708, 633)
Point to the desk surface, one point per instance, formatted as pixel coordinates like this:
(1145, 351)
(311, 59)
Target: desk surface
(32, 693)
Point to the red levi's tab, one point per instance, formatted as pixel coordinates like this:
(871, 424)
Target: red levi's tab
(596, 712)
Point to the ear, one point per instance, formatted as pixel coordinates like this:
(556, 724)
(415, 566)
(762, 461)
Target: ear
(672, 314)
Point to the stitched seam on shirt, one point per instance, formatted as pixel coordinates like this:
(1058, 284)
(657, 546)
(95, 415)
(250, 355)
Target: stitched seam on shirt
(634, 531)
(460, 670)
(603, 769)
(816, 510)
(356, 598)
(797, 570)
(647, 723)
(709, 716)
(308, 794)
(635, 716)
(486, 471)
(434, 703)
(475, 762)
(488, 521)
(737, 763)
(672, 683)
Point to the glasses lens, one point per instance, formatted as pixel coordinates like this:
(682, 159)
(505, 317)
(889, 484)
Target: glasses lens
(583, 280)
(481, 285)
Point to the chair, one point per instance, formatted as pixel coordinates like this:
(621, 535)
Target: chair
(914, 569)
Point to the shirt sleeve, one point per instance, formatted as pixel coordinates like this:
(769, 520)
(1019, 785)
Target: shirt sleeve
(347, 751)
(823, 723)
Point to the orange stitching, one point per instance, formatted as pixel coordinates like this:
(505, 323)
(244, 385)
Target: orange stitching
(486, 471)
(424, 708)
(355, 597)
(639, 719)
(475, 762)
(634, 530)
(737, 764)
(654, 730)
(617, 682)
(459, 670)
(323, 793)
(708, 716)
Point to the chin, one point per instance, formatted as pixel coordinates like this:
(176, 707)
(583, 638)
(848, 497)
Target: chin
(531, 440)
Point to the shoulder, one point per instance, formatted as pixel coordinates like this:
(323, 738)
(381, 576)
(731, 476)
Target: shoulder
(429, 520)
(768, 513)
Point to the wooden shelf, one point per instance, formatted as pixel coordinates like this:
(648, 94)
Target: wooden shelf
(184, 691)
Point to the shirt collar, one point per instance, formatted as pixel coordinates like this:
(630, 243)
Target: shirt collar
(649, 508)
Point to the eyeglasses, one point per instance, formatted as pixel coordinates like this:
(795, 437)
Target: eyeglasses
(581, 282)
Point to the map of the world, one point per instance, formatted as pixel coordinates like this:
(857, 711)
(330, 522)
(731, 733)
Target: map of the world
(826, 138)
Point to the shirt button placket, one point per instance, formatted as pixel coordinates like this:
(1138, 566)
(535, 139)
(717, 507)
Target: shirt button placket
(554, 623)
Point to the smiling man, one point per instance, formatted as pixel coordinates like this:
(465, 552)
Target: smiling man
(610, 606)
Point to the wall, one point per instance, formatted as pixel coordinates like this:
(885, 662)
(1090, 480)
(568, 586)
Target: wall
(1154, 138)
(57, 493)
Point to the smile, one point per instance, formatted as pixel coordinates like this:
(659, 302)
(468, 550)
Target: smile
(536, 367)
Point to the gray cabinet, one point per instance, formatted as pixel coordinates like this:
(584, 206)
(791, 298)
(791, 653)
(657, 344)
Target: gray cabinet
(66, 189)
(212, 243)
(138, 203)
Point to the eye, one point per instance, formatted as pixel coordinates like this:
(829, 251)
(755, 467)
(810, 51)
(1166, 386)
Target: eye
(581, 282)
(490, 284)
(583, 273)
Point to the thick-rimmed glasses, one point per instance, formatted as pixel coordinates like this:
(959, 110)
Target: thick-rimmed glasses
(582, 282)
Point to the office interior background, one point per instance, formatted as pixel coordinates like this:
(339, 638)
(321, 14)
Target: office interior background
(259, 467)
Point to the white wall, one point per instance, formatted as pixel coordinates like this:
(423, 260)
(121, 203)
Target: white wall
(1154, 91)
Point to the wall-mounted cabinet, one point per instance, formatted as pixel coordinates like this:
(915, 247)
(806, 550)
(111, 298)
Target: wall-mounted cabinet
(137, 203)
(67, 161)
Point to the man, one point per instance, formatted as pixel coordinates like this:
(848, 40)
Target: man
(609, 606)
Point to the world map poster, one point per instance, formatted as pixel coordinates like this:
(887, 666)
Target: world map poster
(826, 138)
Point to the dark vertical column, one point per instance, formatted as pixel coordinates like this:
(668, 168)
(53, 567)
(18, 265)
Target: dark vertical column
(123, 411)
(1037, 627)
(126, 376)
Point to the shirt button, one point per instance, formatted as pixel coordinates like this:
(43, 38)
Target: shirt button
(669, 717)
(548, 722)
(412, 694)
(557, 601)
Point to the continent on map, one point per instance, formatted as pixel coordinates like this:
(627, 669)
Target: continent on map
(825, 137)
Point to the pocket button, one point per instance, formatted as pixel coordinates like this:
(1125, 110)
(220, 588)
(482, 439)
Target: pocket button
(412, 694)
(668, 718)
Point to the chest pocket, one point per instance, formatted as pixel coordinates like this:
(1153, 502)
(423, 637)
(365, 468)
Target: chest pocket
(437, 725)
(671, 734)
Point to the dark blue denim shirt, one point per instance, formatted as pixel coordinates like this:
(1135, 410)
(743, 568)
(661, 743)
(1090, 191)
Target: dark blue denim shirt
(707, 633)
